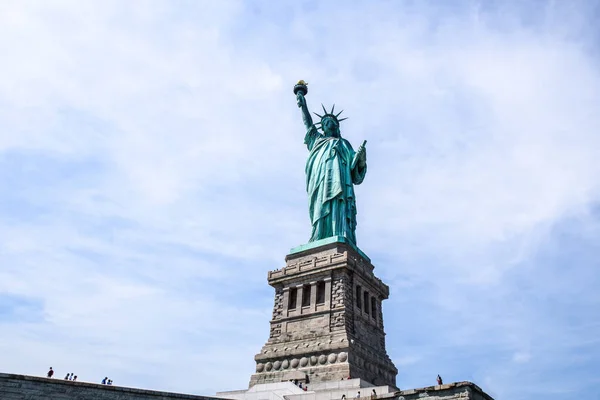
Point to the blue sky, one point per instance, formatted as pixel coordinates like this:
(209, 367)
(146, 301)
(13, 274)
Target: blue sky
(151, 173)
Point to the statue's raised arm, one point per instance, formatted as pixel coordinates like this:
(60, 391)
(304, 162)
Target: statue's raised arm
(332, 170)
(301, 90)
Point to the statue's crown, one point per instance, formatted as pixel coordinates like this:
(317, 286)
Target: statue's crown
(330, 115)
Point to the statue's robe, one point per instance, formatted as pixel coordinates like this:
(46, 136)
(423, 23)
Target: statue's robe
(329, 184)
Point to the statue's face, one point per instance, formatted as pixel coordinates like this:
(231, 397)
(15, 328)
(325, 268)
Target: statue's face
(330, 127)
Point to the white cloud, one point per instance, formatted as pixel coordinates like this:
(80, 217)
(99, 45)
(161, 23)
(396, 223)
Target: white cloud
(521, 357)
(153, 162)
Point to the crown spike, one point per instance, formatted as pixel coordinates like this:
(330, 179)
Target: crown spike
(332, 108)
(341, 119)
(338, 114)
(320, 116)
(324, 110)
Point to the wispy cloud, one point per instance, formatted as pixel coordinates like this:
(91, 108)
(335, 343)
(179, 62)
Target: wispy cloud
(151, 168)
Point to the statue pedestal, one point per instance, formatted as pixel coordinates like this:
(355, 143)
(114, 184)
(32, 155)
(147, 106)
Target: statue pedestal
(320, 243)
(327, 319)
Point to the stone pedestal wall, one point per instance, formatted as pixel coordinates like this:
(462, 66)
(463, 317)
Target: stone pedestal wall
(327, 322)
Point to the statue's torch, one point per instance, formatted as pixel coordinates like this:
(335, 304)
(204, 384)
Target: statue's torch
(300, 90)
(301, 87)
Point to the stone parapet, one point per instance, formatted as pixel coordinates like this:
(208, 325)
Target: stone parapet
(24, 387)
(334, 390)
(452, 391)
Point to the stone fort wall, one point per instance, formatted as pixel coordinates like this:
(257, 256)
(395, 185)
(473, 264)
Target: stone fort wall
(23, 387)
(452, 391)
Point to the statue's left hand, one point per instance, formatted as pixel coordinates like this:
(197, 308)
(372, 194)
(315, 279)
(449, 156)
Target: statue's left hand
(362, 151)
(361, 156)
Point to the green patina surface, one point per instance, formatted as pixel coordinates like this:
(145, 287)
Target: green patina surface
(332, 170)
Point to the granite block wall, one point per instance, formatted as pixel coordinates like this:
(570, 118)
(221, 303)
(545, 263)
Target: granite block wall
(23, 387)
(452, 391)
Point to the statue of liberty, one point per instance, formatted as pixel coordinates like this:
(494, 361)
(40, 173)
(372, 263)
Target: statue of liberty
(332, 168)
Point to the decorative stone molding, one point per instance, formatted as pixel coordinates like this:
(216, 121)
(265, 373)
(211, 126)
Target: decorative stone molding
(294, 363)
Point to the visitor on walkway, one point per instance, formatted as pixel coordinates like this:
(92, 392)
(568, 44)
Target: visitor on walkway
(358, 395)
(104, 380)
(439, 380)
(74, 378)
(67, 377)
(71, 377)
(50, 373)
